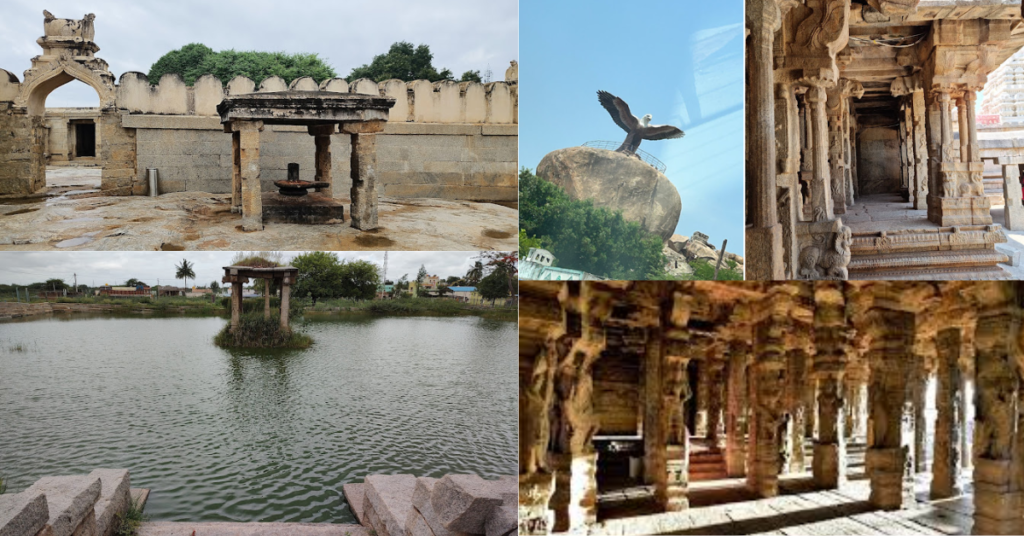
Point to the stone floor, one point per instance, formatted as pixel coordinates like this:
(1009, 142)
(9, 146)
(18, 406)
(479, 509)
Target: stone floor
(888, 212)
(72, 214)
(726, 507)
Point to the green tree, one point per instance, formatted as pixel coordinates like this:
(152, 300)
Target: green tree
(705, 270)
(54, 284)
(194, 60)
(403, 62)
(585, 237)
(471, 76)
(134, 283)
(400, 286)
(185, 271)
(493, 287)
(320, 275)
(525, 243)
(359, 280)
(260, 259)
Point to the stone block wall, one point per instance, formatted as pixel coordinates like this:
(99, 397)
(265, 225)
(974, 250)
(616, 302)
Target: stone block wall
(118, 154)
(22, 143)
(879, 160)
(80, 505)
(59, 147)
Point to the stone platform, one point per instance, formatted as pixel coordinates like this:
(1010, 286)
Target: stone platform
(310, 209)
(891, 240)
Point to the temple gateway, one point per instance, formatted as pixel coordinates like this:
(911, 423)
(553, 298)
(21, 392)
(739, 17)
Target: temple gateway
(781, 408)
(863, 157)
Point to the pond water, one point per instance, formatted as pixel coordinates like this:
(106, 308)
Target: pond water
(256, 435)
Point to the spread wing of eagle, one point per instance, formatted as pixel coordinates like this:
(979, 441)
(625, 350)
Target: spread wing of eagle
(636, 129)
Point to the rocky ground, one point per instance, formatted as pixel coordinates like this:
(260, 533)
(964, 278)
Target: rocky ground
(680, 250)
(73, 215)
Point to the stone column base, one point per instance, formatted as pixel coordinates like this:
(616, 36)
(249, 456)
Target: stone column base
(575, 498)
(829, 465)
(887, 468)
(950, 211)
(672, 497)
(535, 492)
(998, 506)
(764, 253)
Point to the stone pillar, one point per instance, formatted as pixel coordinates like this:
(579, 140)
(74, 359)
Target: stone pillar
(821, 180)
(236, 172)
(736, 413)
(837, 168)
(1013, 215)
(286, 291)
(716, 392)
(322, 140)
(236, 304)
(266, 299)
(889, 459)
(666, 438)
(536, 482)
(796, 386)
(364, 173)
(700, 424)
(947, 454)
(907, 145)
(831, 338)
(763, 233)
(249, 163)
(933, 130)
(998, 493)
(920, 151)
(770, 422)
(787, 172)
(848, 154)
(806, 157)
(573, 459)
(961, 122)
(918, 391)
(974, 150)
(960, 198)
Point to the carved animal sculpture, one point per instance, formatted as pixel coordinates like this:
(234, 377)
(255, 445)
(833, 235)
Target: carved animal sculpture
(834, 262)
(636, 129)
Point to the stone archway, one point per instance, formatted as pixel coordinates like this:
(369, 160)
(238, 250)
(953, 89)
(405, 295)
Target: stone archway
(45, 79)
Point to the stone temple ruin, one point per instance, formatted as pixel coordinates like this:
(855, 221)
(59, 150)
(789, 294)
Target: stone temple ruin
(863, 153)
(443, 140)
(780, 408)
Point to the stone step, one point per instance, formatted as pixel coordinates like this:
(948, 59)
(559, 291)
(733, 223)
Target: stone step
(388, 502)
(23, 513)
(355, 495)
(170, 528)
(71, 501)
(969, 264)
(115, 497)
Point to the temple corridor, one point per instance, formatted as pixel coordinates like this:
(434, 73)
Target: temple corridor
(735, 408)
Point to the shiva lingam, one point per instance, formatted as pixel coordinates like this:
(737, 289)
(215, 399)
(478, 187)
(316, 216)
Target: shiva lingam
(295, 186)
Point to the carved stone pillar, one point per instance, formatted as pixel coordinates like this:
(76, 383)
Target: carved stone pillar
(796, 386)
(1013, 215)
(974, 150)
(998, 492)
(907, 145)
(573, 459)
(806, 156)
(666, 438)
(918, 379)
(364, 173)
(736, 412)
(920, 198)
(947, 455)
(960, 197)
(770, 421)
(787, 172)
(763, 233)
(837, 168)
(536, 481)
(821, 179)
(848, 154)
(716, 393)
(889, 458)
(322, 141)
(700, 423)
(961, 123)
(831, 339)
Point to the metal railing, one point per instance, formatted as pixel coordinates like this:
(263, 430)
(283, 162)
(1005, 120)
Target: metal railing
(640, 153)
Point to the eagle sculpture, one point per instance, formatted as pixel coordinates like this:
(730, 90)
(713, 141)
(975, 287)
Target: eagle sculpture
(637, 130)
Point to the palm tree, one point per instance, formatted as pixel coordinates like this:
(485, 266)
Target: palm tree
(475, 274)
(184, 271)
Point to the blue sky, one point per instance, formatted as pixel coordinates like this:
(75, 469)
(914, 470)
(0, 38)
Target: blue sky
(680, 61)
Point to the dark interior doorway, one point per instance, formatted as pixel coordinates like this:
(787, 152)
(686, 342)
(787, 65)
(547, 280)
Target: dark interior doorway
(85, 139)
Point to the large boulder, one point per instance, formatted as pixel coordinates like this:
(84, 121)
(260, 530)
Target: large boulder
(617, 182)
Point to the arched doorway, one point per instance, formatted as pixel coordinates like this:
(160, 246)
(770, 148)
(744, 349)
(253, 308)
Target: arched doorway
(71, 148)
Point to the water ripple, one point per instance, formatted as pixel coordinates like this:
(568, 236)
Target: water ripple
(256, 436)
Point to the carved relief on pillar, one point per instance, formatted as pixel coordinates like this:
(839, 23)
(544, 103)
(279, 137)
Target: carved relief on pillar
(536, 479)
(946, 460)
(824, 250)
(821, 179)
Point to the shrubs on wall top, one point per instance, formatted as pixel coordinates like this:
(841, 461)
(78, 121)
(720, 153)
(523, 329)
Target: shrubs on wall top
(194, 60)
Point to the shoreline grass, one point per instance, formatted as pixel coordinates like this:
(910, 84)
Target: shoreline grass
(255, 331)
(412, 307)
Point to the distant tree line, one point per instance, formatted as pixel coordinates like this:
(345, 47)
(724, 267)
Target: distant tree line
(402, 61)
